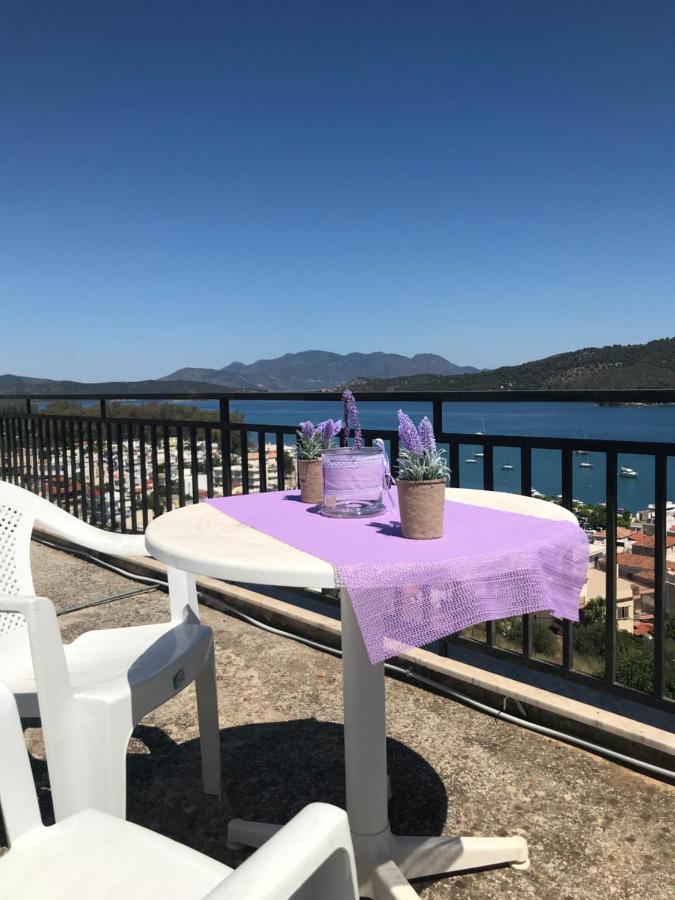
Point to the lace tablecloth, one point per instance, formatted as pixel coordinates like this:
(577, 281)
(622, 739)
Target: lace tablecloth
(489, 564)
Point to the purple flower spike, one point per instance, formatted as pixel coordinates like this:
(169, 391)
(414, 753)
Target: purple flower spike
(307, 430)
(329, 431)
(351, 412)
(426, 433)
(408, 435)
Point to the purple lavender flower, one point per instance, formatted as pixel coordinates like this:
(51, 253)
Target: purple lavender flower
(329, 431)
(426, 433)
(307, 430)
(351, 412)
(408, 435)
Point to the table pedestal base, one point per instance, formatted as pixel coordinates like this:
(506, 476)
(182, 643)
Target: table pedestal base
(386, 861)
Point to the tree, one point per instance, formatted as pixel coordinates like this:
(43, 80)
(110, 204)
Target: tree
(634, 661)
(543, 640)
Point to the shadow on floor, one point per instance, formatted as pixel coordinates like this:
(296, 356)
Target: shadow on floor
(270, 771)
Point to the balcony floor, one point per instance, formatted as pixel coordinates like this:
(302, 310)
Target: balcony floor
(594, 828)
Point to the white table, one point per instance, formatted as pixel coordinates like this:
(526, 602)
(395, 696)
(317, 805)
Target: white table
(201, 540)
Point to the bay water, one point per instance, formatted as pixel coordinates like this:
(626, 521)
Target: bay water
(580, 420)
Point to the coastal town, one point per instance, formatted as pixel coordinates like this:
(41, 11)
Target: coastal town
(125, 484)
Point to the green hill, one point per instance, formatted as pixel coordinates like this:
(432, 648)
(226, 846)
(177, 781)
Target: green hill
(617, 367)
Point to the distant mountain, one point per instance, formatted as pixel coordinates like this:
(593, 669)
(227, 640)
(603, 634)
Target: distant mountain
(19, 384)
(615, 367)
(316, 370)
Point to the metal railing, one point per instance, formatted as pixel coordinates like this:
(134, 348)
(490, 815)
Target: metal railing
(106, 462)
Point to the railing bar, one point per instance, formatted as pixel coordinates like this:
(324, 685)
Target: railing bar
(22, 453)
(262, 462)
(208, 445)
(111, 476)
(488, 469)
(144, 474)
(453, 456)
(75, 492)
(15, 455)
(225, 447)
(36, 466)
(92, 474)
(660, 490)
(244, 460)
(79, 428)
(193, 465)
(131, 456)
(526, 471)
(50, 480)
(394, 450)
(41, 456)
(19, 458)
(567, 502)
(168, 487)
(611, 464)
(180, 449)
(122, 477)
(3, 465)
(281, 462)
(101, 478)
(156, 507)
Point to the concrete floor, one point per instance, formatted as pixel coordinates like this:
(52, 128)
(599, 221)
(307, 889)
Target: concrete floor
(595, 829)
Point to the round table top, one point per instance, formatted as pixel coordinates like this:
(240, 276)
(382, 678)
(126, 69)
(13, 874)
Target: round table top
(205, 541)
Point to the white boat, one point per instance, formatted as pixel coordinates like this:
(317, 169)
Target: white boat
(479, 454)
(507, 467)
(581, 452)
(471, 460)
(627, 472)
(585, 465)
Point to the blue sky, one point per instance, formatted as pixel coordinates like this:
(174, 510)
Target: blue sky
(193, 183)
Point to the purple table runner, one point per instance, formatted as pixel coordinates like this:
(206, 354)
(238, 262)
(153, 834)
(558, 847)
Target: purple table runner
(489, 564)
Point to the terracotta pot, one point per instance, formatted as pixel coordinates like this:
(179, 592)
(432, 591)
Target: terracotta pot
(422, 505)
(310, 480)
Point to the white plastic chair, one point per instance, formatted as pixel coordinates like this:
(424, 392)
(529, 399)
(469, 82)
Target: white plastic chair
(94, 855)
(91, 693)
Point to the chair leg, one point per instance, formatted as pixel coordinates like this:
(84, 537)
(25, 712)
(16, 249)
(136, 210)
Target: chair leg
(209, 728)
(98, 770)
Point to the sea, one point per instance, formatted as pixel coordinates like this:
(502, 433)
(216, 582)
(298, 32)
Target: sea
(580, 420)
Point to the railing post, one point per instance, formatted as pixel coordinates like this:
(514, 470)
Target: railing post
(225, 446)
(610, 566)
(660, 481)
(567, 502)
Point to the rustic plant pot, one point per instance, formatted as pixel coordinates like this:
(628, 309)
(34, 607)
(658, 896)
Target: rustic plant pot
(310, 480)
(422, 505)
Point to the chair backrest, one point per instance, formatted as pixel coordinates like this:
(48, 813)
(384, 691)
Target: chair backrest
(20, 510)
(17, 517)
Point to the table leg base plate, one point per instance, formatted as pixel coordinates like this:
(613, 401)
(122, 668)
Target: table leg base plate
(386, 861)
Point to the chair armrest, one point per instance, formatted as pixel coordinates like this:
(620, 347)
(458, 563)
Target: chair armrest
(319, 834)
(79, 532)
(46, 647)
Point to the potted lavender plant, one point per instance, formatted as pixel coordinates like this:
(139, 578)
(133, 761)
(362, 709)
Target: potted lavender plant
(312, 441)
(421, 480)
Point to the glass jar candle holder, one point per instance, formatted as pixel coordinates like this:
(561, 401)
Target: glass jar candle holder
(353, 482)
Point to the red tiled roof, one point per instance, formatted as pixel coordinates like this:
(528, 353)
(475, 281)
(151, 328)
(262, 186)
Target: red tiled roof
(647, 540)
(635, 561)
(642, 629)
(621, 534)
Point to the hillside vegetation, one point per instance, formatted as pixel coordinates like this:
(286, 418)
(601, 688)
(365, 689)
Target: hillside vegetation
(617, 367)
